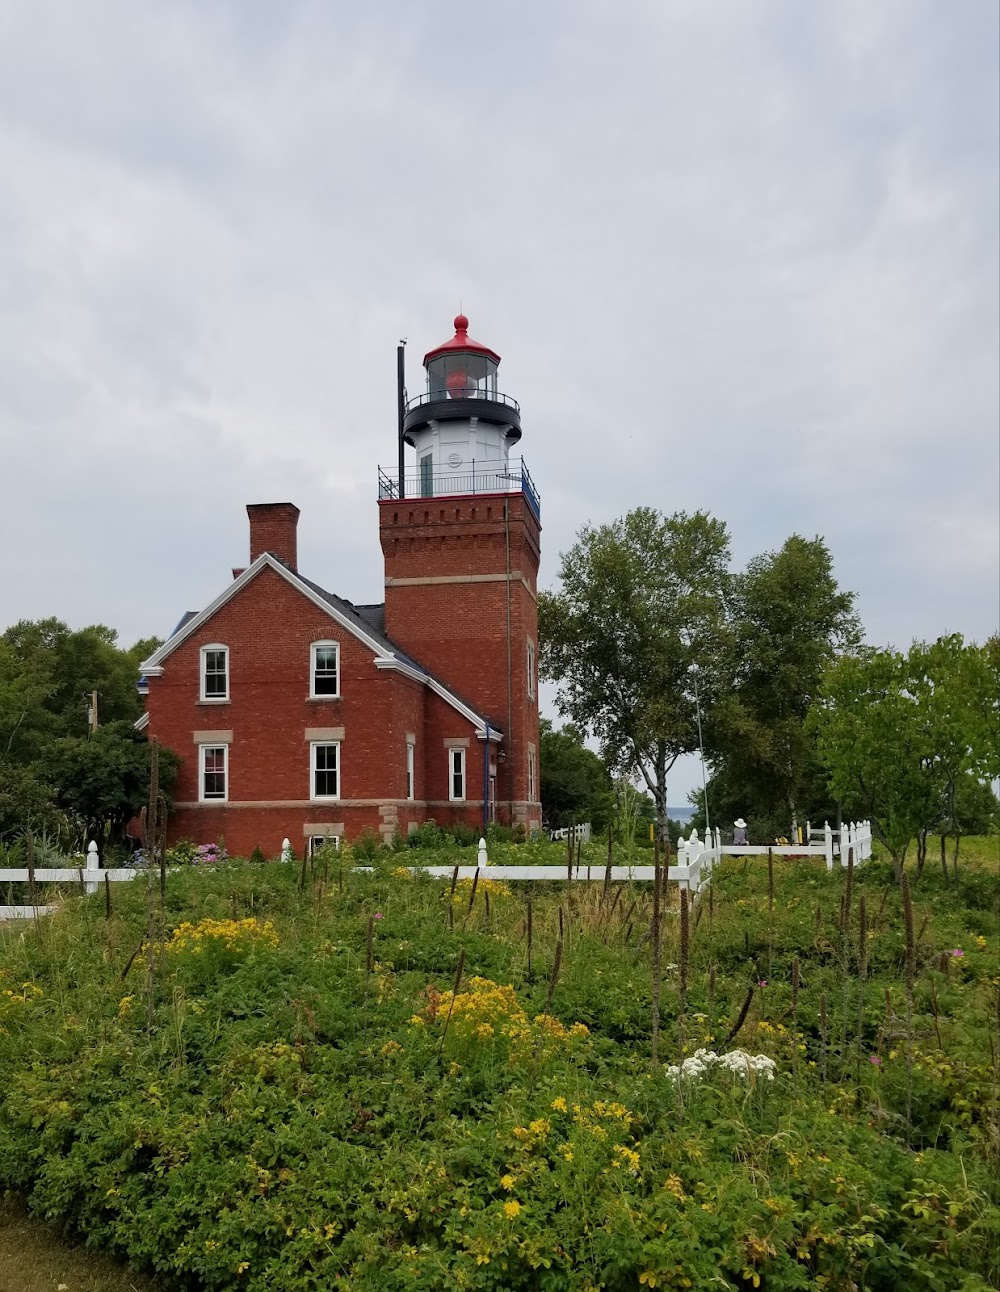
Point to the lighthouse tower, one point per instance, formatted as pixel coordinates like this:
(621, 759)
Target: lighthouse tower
(460, 531)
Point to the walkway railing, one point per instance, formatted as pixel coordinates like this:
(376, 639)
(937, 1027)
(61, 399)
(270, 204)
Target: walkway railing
(472, 477)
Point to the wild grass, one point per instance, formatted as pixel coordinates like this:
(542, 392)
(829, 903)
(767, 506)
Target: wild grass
(398, 1082)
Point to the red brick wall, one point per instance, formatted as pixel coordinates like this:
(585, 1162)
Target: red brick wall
(268, 627)
(458, 629)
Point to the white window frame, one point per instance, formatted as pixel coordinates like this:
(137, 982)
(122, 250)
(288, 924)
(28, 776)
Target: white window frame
(203, 674)
(456, 754)
(317, 841)
(323, 695)
(410, 772)
(532, 775)
(530, 653)
(213, 798)
(313, 746)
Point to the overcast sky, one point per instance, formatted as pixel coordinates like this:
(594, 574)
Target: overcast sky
(740, 256)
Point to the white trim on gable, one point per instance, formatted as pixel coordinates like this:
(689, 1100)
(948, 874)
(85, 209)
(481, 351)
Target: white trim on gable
(153, 667)
(142, 723)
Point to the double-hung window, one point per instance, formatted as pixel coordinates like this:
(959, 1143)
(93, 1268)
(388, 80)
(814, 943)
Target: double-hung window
(456, 777)
(324, 670)
(530, 665)
(409, 769)
(324, 773)
(215, 673)
(213, 773)
(532, 774)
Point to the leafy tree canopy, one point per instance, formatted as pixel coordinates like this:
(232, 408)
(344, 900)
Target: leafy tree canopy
(789, 620)
(640, 600)
(575, 784)
(104, 778)
(47, 673)
(900, 734)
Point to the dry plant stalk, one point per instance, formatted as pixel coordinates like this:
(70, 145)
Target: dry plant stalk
(741, 1018)
(824, 1033)
(795, 1020)
(770, 879)
(711, 999)
(654, 930)
(29, 840)
(472, 896)
(153, 822)
(607, 871)
(911, 959)
(454, 992)
(554, 977)
(530, 933)
(862, 975)
(451, 898)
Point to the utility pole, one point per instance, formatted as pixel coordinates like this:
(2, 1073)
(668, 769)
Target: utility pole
(93, 712)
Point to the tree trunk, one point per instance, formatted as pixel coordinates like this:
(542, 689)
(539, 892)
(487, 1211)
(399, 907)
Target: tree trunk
(662, 826)
(944, 855)
(921, 851)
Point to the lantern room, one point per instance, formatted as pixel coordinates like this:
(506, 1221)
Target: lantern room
(462, 427)
(461, 368)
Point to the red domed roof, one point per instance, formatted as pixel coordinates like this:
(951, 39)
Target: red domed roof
(461, 341)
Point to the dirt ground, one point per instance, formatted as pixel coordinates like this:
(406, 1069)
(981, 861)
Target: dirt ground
(33, 1258)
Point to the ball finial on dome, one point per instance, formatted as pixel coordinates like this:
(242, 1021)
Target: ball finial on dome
(461, 323)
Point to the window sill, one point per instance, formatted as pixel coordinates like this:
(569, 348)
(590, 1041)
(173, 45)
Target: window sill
(328, 798)
(319, 699)
(211, 700)
(212, 802)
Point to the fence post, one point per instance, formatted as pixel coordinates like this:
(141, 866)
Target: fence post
(286, 850)
(93, 867)
(828, 844)
(482, 861)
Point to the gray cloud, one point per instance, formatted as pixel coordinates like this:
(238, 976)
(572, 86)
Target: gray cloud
(741, 257)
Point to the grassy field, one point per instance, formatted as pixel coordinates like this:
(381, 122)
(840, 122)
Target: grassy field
(368, 1081)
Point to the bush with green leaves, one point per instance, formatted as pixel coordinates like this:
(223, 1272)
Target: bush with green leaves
(323, 1077)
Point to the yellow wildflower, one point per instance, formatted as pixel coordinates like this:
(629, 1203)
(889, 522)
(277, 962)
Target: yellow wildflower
(558, 1104)
(507, 1183)
(511, 1208)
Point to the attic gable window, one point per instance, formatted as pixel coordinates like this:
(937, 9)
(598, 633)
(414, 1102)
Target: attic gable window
(215, 673)
(324, 670)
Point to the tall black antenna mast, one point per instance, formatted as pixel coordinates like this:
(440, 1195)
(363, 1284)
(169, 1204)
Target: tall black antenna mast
(401, 403)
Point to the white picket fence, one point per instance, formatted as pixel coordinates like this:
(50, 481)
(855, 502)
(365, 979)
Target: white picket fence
(695, 860)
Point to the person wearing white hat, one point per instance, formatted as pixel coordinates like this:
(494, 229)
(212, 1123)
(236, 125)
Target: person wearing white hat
(739, 832)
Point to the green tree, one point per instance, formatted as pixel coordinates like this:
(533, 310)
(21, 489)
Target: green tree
(104, 778)
(26, 685)
(26, 802)
(899, 734)
(789, 621)
(47, 673)
(641, 599)
(575, 784)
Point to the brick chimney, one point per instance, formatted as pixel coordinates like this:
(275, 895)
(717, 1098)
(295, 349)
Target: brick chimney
(273, 527)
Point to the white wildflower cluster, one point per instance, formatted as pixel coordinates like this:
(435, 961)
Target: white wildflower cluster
(736, 1061)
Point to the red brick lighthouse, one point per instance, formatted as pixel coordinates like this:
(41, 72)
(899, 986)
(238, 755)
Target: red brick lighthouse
(460, 532)
(299, 715)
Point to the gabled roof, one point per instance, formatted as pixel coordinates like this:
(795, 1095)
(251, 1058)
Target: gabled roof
(367, 627)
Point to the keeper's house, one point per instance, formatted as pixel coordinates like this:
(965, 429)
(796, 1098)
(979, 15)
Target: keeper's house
(298, 714)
